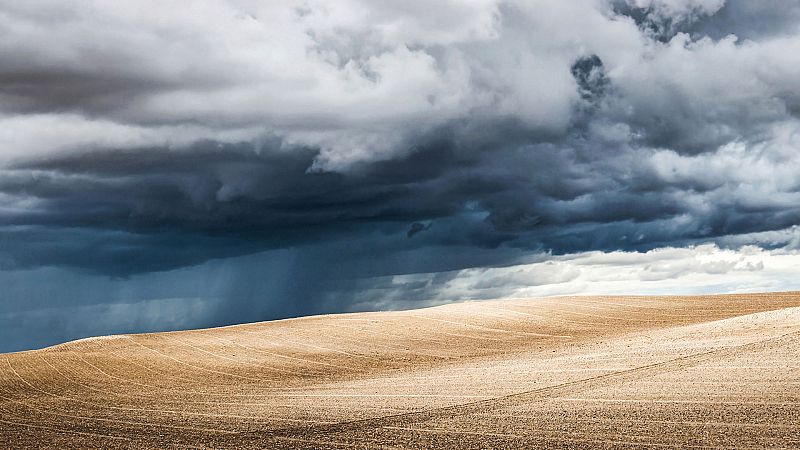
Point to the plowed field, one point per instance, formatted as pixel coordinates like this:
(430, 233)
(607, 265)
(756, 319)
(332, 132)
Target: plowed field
(682, 372)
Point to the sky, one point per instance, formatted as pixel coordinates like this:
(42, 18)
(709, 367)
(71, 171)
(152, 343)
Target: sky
(170, 165)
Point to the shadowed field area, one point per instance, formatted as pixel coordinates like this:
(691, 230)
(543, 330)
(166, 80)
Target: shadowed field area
(682, 372)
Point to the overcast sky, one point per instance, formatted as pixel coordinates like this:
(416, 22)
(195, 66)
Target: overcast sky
(171, 164)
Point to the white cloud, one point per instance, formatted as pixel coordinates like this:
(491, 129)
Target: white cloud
(354, 78)
(40, 135)
(359, 79)
(665, 271)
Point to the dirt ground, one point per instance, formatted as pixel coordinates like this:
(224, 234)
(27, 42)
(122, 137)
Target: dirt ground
(571, 372)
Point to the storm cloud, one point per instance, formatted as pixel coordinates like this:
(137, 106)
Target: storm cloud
(320, 147)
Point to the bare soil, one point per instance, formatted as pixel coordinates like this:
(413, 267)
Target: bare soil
(571, 372)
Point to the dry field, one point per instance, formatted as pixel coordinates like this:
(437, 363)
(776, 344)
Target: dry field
(681, 372)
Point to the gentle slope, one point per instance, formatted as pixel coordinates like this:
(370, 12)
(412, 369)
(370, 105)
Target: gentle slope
(581, 371)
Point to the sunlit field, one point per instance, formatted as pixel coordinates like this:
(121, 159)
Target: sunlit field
(713, 371)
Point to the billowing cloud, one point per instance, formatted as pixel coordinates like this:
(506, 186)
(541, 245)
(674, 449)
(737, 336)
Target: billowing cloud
(663, 271)
(390, 138)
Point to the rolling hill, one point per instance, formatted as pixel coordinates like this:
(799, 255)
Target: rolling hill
(572, 372)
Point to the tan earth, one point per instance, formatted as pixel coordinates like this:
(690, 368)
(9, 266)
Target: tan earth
(681, 372)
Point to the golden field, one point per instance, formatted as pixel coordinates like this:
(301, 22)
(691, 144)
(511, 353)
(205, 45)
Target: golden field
(571, 372)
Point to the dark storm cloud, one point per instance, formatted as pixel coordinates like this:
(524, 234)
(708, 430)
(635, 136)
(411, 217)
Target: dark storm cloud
(157, 209)
(313, 150)
(417, 227)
